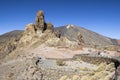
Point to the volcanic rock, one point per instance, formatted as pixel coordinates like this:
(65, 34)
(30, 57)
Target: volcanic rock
(40, 22)
(8, 42)
(50, 27)
(30, 29)
(80, 39)
(58, 33)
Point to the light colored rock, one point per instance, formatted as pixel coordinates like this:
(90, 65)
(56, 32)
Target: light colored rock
(30, 29)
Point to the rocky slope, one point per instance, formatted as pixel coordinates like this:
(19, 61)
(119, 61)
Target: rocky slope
(118, 41)
(8, 42)
(90, 37)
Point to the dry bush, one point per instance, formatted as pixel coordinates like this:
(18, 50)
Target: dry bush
(60, 63)
(101, 67)
(110, 67)
(75, 77)
(84, 69)
(63, 78)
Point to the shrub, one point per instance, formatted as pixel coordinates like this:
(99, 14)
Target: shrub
(63, 78)
(60, 62)
(75, 77)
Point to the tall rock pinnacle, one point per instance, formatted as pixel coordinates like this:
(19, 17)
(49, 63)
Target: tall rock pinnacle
(39, 21)
(40, 26)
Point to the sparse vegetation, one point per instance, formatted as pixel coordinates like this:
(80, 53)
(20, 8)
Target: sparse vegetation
(84, 69)
(111, 48)
(60, 63)
(101, 67)
(63, 78)
(75, 77)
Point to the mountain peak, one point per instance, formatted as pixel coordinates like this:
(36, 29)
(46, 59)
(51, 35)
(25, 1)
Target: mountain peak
(69, 25)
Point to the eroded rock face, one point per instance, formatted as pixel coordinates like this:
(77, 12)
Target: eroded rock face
(42, 32)
(80, 39)
(118, 70)
(30, 29)
(58, 33)
(40, 25)
(40, 22)
(50, 27)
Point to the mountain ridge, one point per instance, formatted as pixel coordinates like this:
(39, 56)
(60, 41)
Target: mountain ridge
(86, 34)
(63, 29)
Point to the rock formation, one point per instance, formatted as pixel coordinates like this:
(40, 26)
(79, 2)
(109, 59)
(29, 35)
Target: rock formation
(80, 39)
(30, 29)
(38, 33)
(43, 33)
(40, 25)
(118, 70)
(50, 27)
(58, 33)
(40, 22)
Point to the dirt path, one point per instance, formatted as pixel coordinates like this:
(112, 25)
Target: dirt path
(11, 62)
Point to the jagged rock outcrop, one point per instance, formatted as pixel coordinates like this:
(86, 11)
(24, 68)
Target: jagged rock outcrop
(80, 39)
(50, 28)
(58, 33)
(30, 29)
(40, 22)
(40, 25)
(118, 70)
(44, 33)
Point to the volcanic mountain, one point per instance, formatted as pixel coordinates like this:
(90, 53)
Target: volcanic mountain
(89, 37)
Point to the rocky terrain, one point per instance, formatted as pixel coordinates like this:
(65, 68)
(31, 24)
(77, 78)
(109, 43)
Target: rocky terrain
(118, 41)
(8, 42)
(42, 52)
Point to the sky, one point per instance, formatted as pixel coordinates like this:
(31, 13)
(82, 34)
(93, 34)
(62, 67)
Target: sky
(101, 16)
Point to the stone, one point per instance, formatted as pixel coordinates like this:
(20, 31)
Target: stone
(80, 39)
(118, 70)
(50, 27)
(30, 29)
(58, 33)
(40, 22)
(40, 13)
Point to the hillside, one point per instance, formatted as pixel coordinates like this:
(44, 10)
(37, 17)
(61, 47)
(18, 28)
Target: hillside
(118, 42)
(89, 37)
(12, 34)
(8, 42)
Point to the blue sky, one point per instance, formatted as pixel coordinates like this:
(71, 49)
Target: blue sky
(101, 16)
